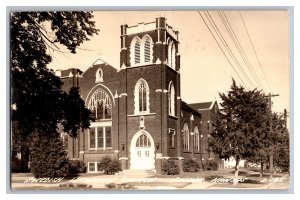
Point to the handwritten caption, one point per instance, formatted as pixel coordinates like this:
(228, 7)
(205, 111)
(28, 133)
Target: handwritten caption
(44, 180)
(147, 180)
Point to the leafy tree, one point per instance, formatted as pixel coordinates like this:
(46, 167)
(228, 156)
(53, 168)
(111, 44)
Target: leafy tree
(238, 125)
(36, 91)
(280, 145)
(36, 95)
(271, 140)
(76, 116)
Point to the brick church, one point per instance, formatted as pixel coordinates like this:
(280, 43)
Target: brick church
(141, 118)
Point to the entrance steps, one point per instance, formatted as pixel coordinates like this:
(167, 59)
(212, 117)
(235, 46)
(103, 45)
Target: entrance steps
(136, 173)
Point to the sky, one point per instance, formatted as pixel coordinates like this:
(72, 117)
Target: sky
(205, 71)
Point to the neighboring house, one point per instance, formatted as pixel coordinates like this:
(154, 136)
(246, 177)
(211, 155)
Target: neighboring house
(230, 163)
(140, 116)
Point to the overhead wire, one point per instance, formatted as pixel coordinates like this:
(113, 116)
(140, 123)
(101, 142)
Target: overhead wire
(222, 49)
(255, 52)
(239, 47)
(215, 27)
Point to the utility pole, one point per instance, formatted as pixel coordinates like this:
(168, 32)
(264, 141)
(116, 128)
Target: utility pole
(271, 152)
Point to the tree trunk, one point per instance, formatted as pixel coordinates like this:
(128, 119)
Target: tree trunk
(236, 172)
(261, 169)
(271, 165)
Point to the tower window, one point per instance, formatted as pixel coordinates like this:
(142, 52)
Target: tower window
(142, 97)
(141, 50)
(147, 51)
(137, 52)
(141, 94)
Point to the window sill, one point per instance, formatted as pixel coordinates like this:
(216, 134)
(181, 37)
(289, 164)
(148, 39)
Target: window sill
(141, 114)
(103, 120)
(100, 149)
(141, 64)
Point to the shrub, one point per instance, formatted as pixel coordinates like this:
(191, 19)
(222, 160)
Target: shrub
(190, 166)
(211, 165)
(48, 157)
(15, 164)
(76, 167)
(169, 167)
(109, 166)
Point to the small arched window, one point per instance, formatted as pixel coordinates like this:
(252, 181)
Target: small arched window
(141, 94)
(186, 137)
(137, 52)
(171, 99)
(196, 139)
(99, 76)
(143, 141)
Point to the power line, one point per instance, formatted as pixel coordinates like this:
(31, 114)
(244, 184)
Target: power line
(215, 27)
(255, 51)
(239, 47)
(221, 49)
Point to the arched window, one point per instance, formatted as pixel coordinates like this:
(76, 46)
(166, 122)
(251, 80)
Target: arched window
(141, 97)
(171, 99)
(143, 141)
(137, 52)
(196, 139)
(141, 50)
(186, 137)
(100, 104)
(147, 50)
(171, 54)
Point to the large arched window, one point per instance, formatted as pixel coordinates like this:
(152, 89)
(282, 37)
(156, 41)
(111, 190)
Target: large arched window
(196, 139)
(171, 54)
(100, 104)
(141, 97)
(100, 132)
(186, 137)
(171, 99)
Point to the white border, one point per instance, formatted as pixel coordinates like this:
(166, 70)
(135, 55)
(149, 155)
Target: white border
(4, 83)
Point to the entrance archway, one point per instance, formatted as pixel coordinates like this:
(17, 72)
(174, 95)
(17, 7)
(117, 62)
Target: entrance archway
(142, 151)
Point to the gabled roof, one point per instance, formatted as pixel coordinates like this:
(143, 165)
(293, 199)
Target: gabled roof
(99, 62)
(203, 105)
(189, 108)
